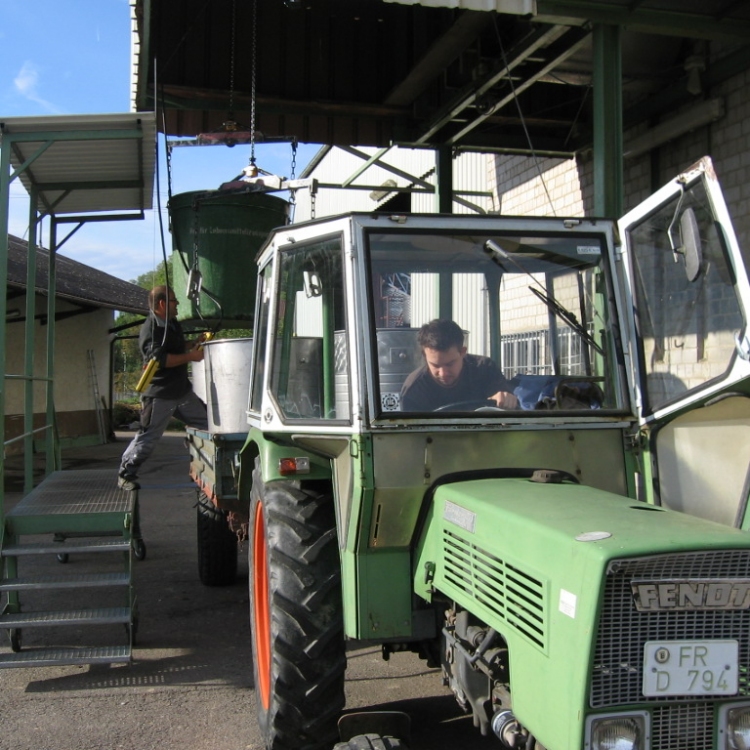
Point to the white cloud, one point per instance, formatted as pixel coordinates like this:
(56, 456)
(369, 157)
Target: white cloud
(26, 83)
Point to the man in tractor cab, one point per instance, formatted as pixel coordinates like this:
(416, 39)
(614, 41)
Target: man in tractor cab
(450, 377)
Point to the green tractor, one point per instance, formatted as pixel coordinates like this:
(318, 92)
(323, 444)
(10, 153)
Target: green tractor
(576, 561)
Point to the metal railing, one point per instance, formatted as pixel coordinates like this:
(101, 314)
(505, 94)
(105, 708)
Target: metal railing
(531, 353)
(27, 436)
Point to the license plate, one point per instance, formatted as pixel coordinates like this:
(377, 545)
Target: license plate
(689, 668)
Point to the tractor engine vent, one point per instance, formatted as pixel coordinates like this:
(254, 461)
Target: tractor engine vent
(502, 590)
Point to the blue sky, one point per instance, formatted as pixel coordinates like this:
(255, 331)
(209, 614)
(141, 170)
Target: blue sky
(63, 57)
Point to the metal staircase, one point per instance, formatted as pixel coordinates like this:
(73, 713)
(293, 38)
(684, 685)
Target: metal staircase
(94, 522)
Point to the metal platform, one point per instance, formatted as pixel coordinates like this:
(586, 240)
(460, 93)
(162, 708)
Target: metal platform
(77, 508)
(62, 656)
(76, 492)
(87, 580)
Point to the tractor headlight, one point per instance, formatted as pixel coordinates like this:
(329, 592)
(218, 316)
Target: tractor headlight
(620, 732)
(735, 724)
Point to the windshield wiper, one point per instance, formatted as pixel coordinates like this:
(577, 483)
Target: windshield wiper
(498, 255)
(568, 317)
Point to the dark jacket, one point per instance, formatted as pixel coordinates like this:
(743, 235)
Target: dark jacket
(480, 378)
(168, 382)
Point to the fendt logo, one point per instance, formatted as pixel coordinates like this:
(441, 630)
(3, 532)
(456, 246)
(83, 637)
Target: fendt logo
(696, 594)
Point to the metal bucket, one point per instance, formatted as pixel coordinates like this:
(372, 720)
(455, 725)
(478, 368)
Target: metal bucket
(230, 228)
(227, 365)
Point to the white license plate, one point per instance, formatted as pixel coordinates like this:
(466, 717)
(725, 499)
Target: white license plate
(689, 668)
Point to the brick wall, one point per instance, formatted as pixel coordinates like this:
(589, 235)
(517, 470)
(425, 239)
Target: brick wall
(693, 339)
(560, 187)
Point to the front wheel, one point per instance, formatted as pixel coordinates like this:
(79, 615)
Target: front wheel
(296, 615)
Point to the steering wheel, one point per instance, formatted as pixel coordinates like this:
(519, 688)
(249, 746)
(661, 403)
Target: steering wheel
(475, 404)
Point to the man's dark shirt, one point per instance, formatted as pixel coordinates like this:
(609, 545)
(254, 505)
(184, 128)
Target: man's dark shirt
(480, 378)
(168, 382)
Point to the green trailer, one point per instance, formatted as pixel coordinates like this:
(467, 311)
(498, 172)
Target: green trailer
(222, 380)
(221, 520)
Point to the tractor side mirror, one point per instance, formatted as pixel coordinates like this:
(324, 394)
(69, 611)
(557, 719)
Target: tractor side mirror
(689, 244)
(692, 247)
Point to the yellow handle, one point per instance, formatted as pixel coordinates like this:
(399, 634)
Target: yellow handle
(207, 336)
(148, 374)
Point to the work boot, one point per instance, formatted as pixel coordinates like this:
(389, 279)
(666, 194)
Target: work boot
(128, 482)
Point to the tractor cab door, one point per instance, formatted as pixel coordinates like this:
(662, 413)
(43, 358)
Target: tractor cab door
(686, 285)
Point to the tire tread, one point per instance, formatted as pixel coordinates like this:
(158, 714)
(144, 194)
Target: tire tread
(307, 642)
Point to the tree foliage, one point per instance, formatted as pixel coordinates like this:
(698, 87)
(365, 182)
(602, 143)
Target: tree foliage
(128, 363)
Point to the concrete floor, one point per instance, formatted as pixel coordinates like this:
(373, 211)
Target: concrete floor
(190, 683)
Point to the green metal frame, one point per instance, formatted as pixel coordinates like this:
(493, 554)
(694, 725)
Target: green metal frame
(608, 170)
(8, 144)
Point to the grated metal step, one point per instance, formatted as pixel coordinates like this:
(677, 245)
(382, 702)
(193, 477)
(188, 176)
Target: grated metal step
(71, 547)
(61, 656)
(102, 616)
(82, 580)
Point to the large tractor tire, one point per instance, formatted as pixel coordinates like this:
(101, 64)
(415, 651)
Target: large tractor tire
(217, 545)
(299, 656)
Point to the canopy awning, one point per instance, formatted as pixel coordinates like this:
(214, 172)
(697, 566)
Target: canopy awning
(84, 164)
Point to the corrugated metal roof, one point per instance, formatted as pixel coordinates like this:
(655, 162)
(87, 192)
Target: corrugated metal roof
(425, 73)
(82, 164)
(75, 282)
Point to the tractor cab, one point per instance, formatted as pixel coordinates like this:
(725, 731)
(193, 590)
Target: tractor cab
(536, 296)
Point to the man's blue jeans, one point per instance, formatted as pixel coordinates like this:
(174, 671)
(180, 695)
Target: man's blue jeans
(155, 416)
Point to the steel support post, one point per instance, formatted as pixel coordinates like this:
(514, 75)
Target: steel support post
(5, 179)
(444, 179)
(608, 171)
(30, 346)
(53, 455)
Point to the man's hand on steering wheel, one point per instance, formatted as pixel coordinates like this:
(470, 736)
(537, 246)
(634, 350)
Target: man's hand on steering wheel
(504, 400)
(500, 401)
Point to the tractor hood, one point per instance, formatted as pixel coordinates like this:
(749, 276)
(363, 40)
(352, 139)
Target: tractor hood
(531, 559)
(562, 532)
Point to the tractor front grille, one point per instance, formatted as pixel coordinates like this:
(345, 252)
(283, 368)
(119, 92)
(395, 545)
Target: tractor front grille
(688, 726)
(617, 672)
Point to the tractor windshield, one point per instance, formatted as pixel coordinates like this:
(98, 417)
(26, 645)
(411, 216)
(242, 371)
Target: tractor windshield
(533, 315)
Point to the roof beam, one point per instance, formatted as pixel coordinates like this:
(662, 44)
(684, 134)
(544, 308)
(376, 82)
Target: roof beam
(536, 41)
(646, 20)
(441, 54)
(192, 98)
(90, 185)
(387, 167)
(374, 159)
(522, 86)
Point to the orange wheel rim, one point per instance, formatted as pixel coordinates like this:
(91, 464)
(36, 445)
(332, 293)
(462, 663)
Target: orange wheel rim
(261, 608)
